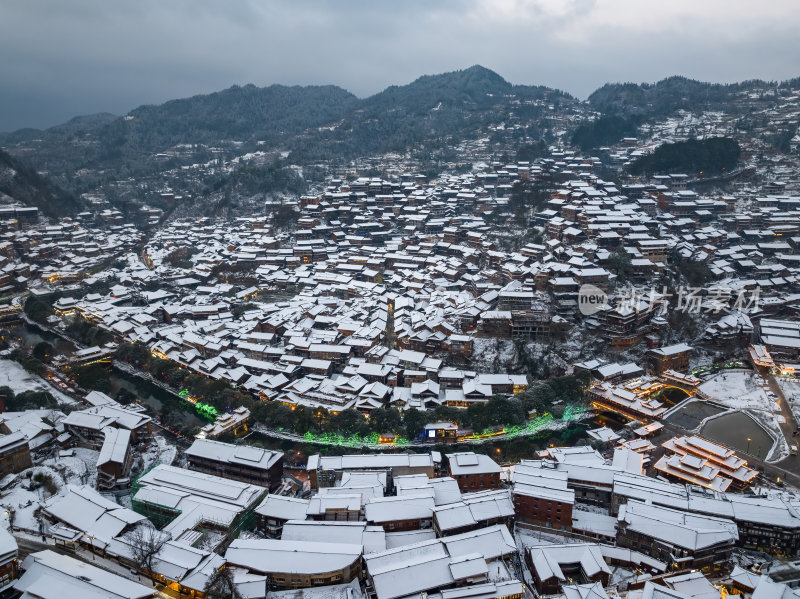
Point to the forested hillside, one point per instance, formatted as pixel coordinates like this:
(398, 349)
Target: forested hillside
(693, 157)
(24, 184)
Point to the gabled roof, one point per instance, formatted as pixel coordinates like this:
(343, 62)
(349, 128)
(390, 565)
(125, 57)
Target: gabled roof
(85, 510)
(689, 531)
(547, 560)
(49, 575)
(292, 557)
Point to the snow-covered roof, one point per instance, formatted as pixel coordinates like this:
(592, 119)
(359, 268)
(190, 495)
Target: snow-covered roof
(404, 507)
(84, 509)
(243, 455)
(115, 446)
(547, 560)
(283, 508)
(49, 575)
(372, 538)
(271, 556)
(693, 532)
(475, 508)
(471, 463)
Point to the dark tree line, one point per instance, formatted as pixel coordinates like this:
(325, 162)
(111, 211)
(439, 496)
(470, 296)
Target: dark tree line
(668, 95)
(709, 156)
(605, 131)
(550, 396)
(27, 400)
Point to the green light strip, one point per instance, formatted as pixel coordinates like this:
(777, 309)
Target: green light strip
(533, 428)
(206, 411)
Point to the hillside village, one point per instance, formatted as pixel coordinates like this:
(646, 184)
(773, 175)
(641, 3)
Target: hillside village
(499, 376)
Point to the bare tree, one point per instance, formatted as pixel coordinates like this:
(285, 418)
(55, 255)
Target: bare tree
(146, 542)
(221, 585)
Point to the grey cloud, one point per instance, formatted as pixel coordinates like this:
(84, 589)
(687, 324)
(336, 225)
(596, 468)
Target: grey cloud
(66, 58)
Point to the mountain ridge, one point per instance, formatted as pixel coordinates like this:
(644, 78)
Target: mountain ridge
(670, 94)
(310, 121)
(618, 86)
(428, 117)
(422, 79)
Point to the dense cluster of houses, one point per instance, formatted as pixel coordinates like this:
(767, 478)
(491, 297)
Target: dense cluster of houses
(393, 293)
(33, 254)
(114, 431)
(386, 288)
(392, 526)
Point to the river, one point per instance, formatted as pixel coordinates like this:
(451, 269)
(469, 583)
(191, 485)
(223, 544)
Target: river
(157, 398)
(147, 393)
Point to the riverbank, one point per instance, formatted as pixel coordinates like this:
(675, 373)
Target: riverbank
(19, 380)
(543, 424)
(160, 395)
(147, 390)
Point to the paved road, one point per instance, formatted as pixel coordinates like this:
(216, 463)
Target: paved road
(27, 546)
(789, 426)
(791, 463)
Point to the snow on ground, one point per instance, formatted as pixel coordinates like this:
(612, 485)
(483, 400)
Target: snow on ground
(160, 451)
(568, 352)
(23, 503)
(770, 421)
(620, 575)
(26, 495)
(507, 473)
(535, 538)
(790, 387)
(748, 391)
(490, 354)
(739, 389)
(80, 469)
(595, 509)
(212, 540)
(14, 376)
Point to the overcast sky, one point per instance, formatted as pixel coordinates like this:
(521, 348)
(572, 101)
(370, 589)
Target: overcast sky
(61, 58)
